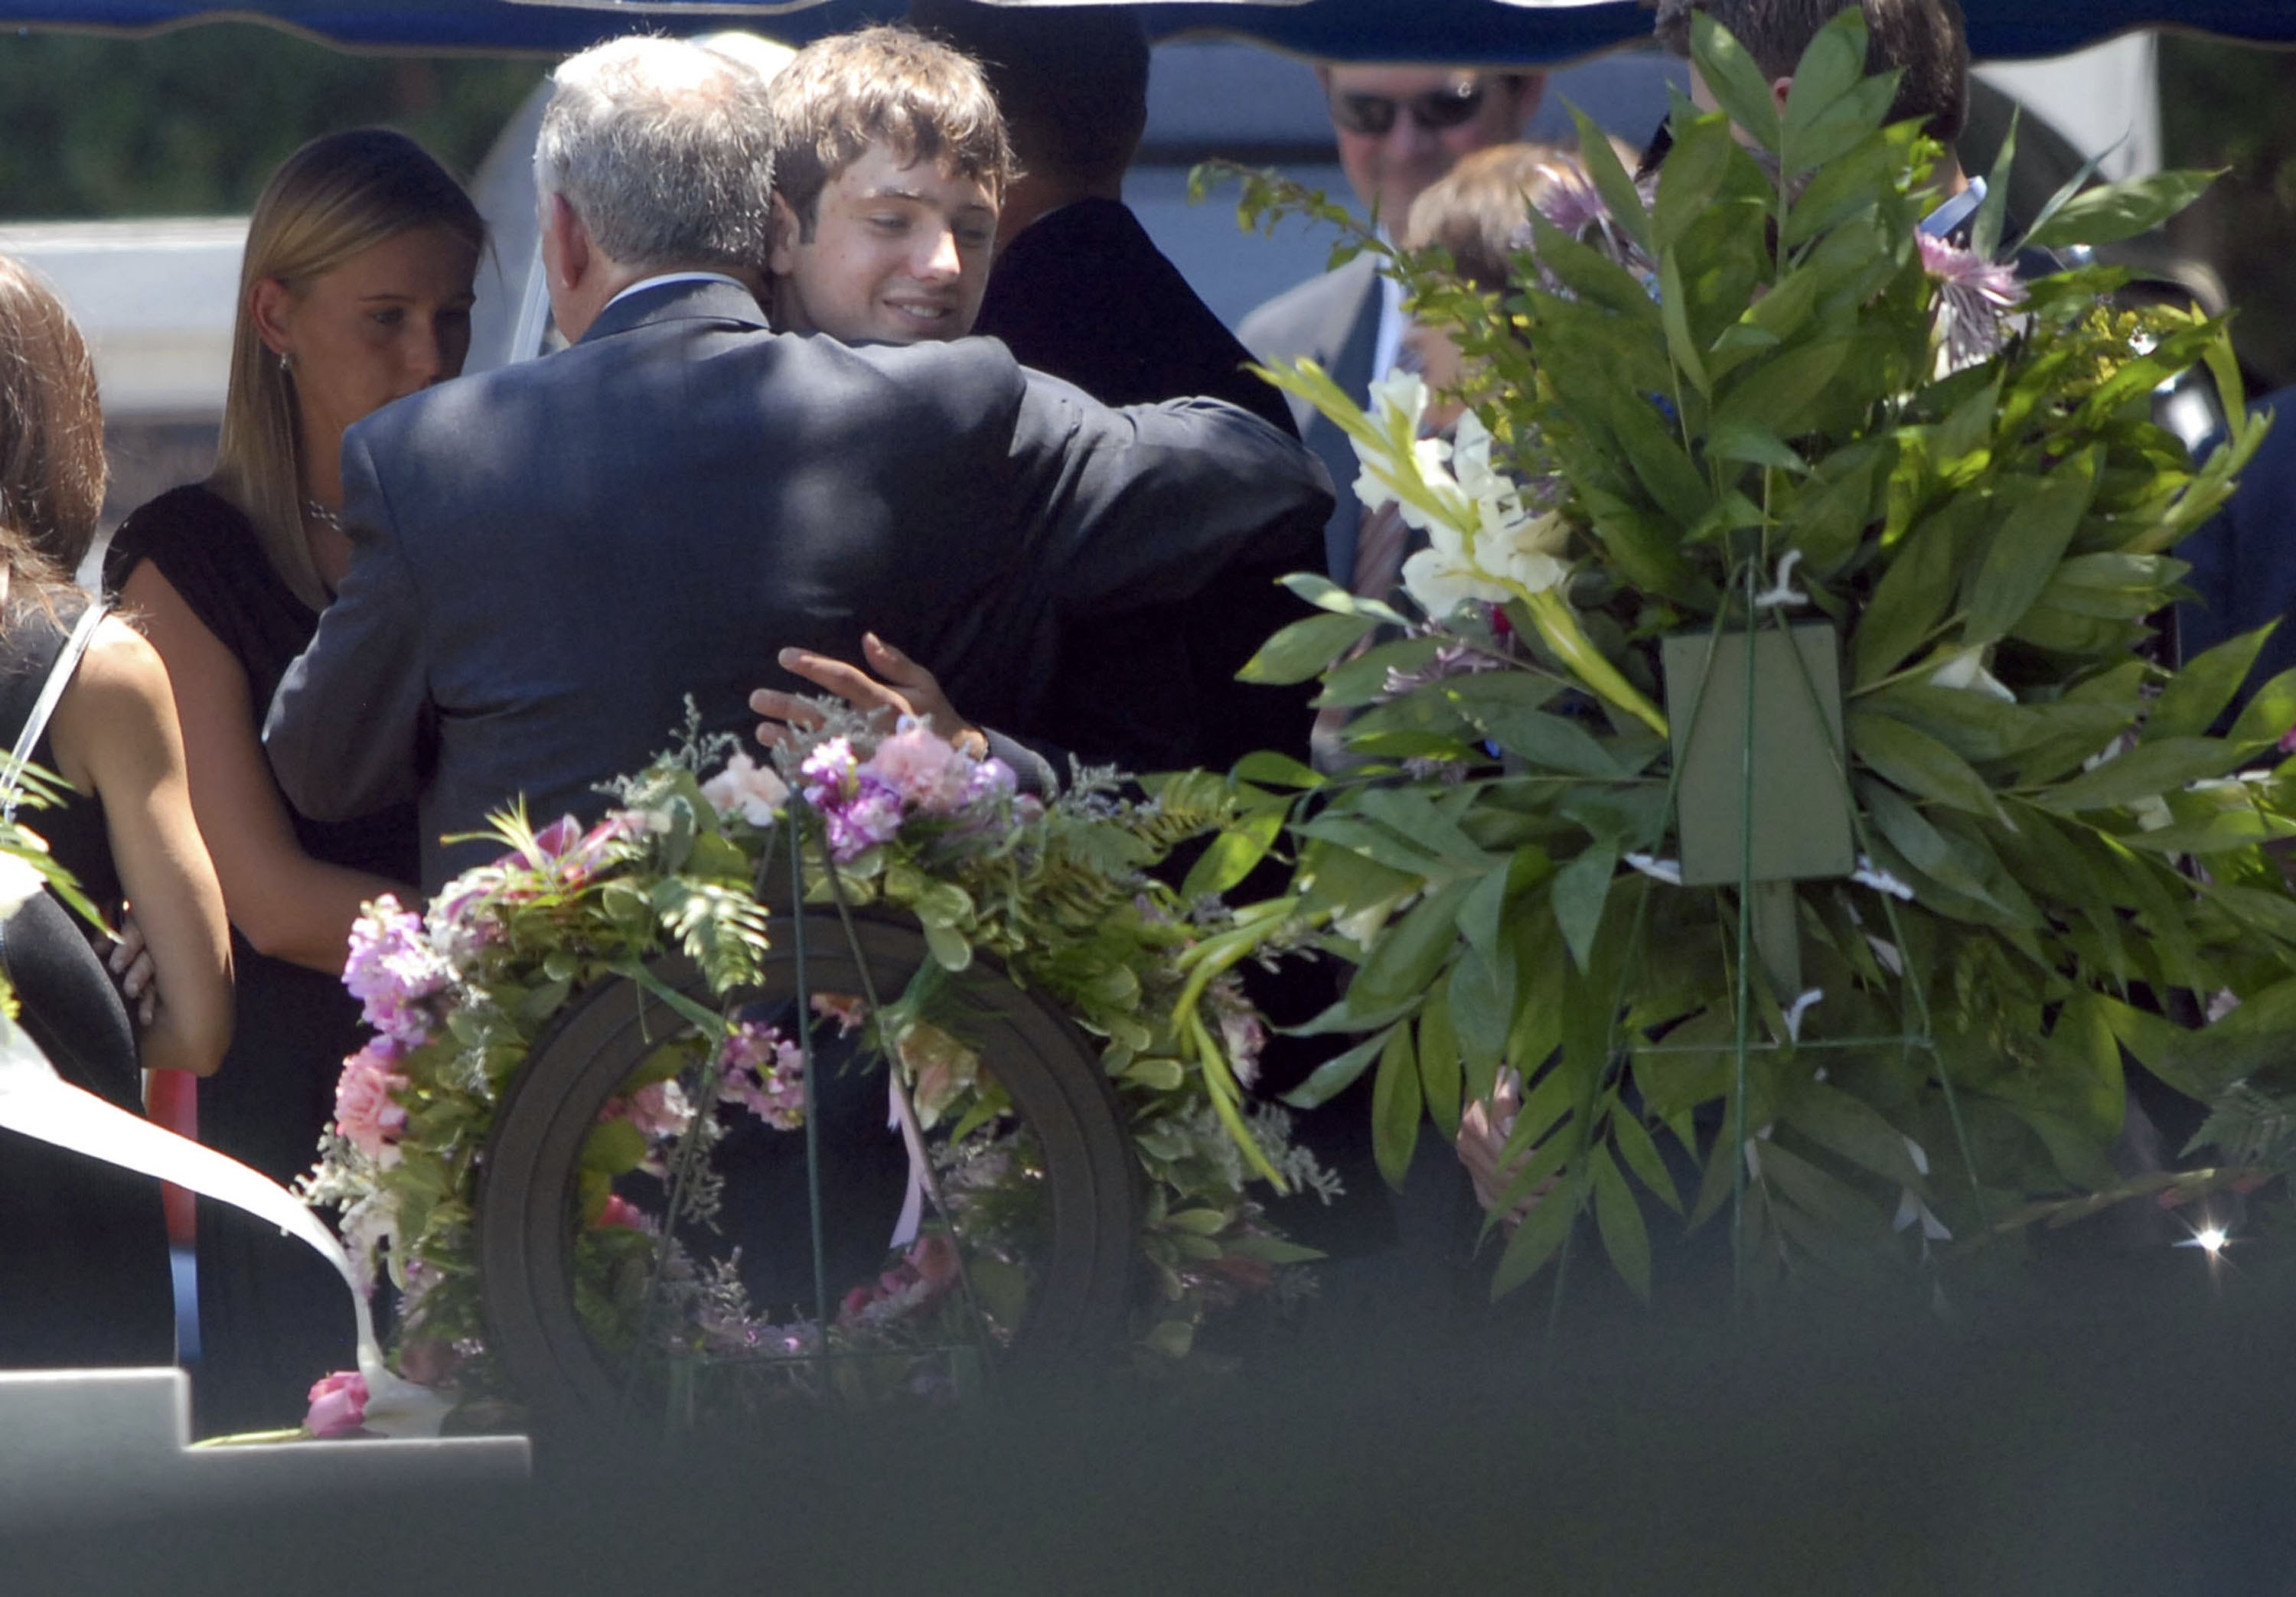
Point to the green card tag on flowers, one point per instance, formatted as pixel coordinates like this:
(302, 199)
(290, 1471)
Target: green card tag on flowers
(1800, 820)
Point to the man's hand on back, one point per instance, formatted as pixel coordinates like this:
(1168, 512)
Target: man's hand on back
(901, 686)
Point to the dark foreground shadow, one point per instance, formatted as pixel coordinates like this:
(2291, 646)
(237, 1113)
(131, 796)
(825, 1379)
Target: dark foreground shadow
(2128, 1432)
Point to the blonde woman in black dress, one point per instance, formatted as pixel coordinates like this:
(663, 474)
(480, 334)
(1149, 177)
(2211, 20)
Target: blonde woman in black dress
(356, 290)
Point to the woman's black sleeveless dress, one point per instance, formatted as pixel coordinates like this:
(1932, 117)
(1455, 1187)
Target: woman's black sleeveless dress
(84, 1277)
(273, 1317)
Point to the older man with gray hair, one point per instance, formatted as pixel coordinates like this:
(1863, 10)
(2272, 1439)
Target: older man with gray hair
(550, 558)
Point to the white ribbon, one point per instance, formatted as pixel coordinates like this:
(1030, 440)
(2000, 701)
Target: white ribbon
(38, 1102)
(902, 1116)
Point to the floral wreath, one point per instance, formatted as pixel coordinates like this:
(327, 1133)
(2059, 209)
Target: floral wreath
(1059, 892)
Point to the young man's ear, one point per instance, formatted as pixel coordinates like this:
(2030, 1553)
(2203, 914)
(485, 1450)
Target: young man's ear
(780, 256)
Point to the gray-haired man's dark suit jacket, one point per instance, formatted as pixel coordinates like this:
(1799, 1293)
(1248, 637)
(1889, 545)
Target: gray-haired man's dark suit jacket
(550, 557)
(1334, 321)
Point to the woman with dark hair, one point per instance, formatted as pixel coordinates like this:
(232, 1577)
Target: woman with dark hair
(84, 1276)
(356, 289)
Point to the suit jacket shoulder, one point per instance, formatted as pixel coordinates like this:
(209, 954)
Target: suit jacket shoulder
(1085, 294)
(1316, 318)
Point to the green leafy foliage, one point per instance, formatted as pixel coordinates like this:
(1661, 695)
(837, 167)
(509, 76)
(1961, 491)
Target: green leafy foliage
(1758, 383)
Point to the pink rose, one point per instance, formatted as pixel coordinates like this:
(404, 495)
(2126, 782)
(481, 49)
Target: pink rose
(753, 792)
(621, 1214)
(366, 1112)
(923, 768)
(338, 1406)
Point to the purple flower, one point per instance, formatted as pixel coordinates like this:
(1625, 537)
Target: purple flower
(871, 816)
(990, 779)
(1569, 198)
(828, 770)
(1974, 297)
(764, 1073)
(1452, 660)
(392, 968)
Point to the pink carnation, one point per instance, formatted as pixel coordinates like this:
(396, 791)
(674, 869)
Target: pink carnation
(338, 1406)
(926, 769)
(365, 1110)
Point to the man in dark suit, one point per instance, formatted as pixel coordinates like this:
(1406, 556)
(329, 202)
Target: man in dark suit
(551, 557)
(1079, 290)
(1399, 128)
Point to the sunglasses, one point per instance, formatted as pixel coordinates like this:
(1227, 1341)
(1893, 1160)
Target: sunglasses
(1373, 115)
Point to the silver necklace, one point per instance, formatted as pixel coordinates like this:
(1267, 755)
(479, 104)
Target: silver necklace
(312, 511)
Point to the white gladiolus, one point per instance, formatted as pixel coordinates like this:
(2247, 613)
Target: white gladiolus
(1481, 543)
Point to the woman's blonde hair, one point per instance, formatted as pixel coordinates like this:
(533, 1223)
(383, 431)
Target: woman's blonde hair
(333, 199)
(52, 468)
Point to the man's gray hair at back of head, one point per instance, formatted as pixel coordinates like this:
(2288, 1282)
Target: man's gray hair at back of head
(665, 151)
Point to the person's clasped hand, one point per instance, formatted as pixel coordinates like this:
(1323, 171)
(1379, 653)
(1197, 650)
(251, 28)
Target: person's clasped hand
(1484, 1128)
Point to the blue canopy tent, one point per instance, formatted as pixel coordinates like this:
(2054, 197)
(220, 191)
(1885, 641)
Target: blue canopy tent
(1451, 31)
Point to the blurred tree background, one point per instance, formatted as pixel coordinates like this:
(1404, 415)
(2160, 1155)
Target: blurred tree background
(2233, 106)
(190, 122)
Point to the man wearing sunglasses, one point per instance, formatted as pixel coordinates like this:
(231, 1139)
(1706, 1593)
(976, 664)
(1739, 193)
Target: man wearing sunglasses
(1399, 128)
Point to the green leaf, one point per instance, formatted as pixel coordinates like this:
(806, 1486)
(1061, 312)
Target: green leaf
(1324, 593)
(1620, 197)
(1580, 890)
(2268, 714)
(1827, 519)
(1395, 1106)
(1547, 742)
(1674, 312)
(2028, 541)
(1276, 771)
(1854, 1129)
(1753, 444)
(1232, 855)
(1913, 593)
(2142, 772)
(1156, 1075)
(2113, 212)
(1304, 649)
(614, 1147)
(1534, 1241)
(1439, 1079)
(1735, 82)
(1692, 173)
(1619, 1219)
(1405, 958)
(1985, 232)
(1336, 1074)
(949, 947)
(1920, 763)
(2198, 692)
(1780, 395)
(1833, 65)
(1633, 1142)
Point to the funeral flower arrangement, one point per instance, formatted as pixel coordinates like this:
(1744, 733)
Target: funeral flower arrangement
(1059, 895)
(1748, 398)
